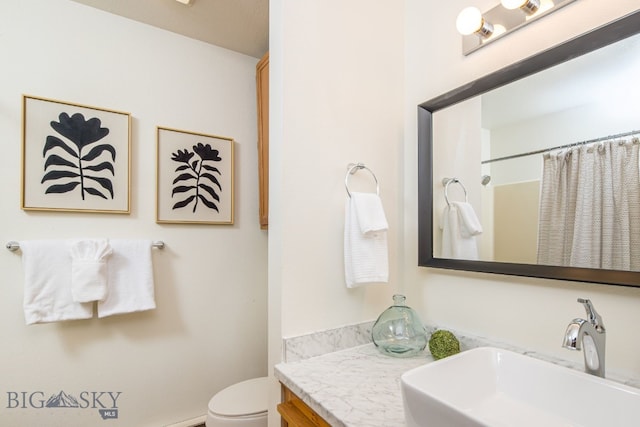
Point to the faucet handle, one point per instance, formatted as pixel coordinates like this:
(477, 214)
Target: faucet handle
(592, 314)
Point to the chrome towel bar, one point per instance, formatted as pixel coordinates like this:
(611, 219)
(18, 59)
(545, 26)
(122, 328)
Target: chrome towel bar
(14, 246)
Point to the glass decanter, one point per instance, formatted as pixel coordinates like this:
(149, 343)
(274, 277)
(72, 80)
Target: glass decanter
(399, 332)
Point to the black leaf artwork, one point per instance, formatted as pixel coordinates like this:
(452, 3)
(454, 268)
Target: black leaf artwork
(195, 179)
(69, 166)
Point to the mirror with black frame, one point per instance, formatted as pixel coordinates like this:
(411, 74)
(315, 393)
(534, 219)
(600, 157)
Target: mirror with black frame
(493, 153)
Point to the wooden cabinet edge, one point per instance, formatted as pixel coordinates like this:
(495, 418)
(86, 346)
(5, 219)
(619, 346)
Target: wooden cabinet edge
(296, 413)
(262, 89)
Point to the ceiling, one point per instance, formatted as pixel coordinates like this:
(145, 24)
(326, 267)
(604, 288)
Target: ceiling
(238, 25)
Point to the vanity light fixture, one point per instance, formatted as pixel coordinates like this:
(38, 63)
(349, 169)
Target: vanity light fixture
(479, 29)
(187, 2)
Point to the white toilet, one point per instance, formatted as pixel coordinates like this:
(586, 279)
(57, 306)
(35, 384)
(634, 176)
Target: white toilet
(240, 405)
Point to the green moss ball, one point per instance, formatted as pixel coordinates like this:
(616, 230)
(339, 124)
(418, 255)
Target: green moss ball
(442, 344)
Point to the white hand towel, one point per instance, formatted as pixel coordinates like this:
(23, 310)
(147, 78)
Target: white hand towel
(371, 217)
(130, 278)
(47, 283)
(89, 269)
(365, 254)
(469, 222)
(454, 243)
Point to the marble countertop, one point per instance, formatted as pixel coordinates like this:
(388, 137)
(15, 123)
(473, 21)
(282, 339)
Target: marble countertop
(358, 387)
(342, 376)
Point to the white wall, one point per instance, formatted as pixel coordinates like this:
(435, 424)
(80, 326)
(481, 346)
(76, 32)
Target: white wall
(532, 313)
(336, 98)
(341, 102)
(208, 330)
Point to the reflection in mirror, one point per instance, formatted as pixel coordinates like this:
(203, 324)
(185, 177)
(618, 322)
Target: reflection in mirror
(587, 99)
(529, 136)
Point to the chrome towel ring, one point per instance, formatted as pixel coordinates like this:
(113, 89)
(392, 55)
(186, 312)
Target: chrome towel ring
(355, 167)
(446, 182)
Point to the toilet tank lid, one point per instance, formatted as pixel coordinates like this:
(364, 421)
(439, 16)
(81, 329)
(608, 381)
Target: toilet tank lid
(244, 398)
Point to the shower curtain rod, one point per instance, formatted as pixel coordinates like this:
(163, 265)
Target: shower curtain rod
(545, 150)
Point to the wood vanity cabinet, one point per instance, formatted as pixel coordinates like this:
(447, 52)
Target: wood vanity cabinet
(296, 413)
(262, 87)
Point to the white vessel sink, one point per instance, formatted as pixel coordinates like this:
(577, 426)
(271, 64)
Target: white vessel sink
(494, 387)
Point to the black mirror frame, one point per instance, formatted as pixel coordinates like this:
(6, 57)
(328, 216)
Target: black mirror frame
(617, 30)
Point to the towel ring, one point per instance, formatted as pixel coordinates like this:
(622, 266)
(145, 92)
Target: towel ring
(355, 167)
(446, 182)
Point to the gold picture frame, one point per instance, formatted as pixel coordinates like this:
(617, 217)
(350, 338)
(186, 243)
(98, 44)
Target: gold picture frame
(194, 178)
(75, 158)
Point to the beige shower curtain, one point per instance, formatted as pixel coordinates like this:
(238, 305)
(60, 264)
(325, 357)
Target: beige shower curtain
(590, 207)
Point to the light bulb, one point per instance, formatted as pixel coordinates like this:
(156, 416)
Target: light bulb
(513, 4)
(544, 6)
(527, 6)
(497, 30)
(469, 20)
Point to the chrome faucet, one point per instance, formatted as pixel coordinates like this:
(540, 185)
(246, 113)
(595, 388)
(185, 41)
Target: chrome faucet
(590, 334)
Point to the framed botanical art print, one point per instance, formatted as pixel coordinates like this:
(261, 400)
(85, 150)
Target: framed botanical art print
(195, 182)
(74, 157)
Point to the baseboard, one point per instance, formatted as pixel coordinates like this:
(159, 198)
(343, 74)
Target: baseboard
(193, 422)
